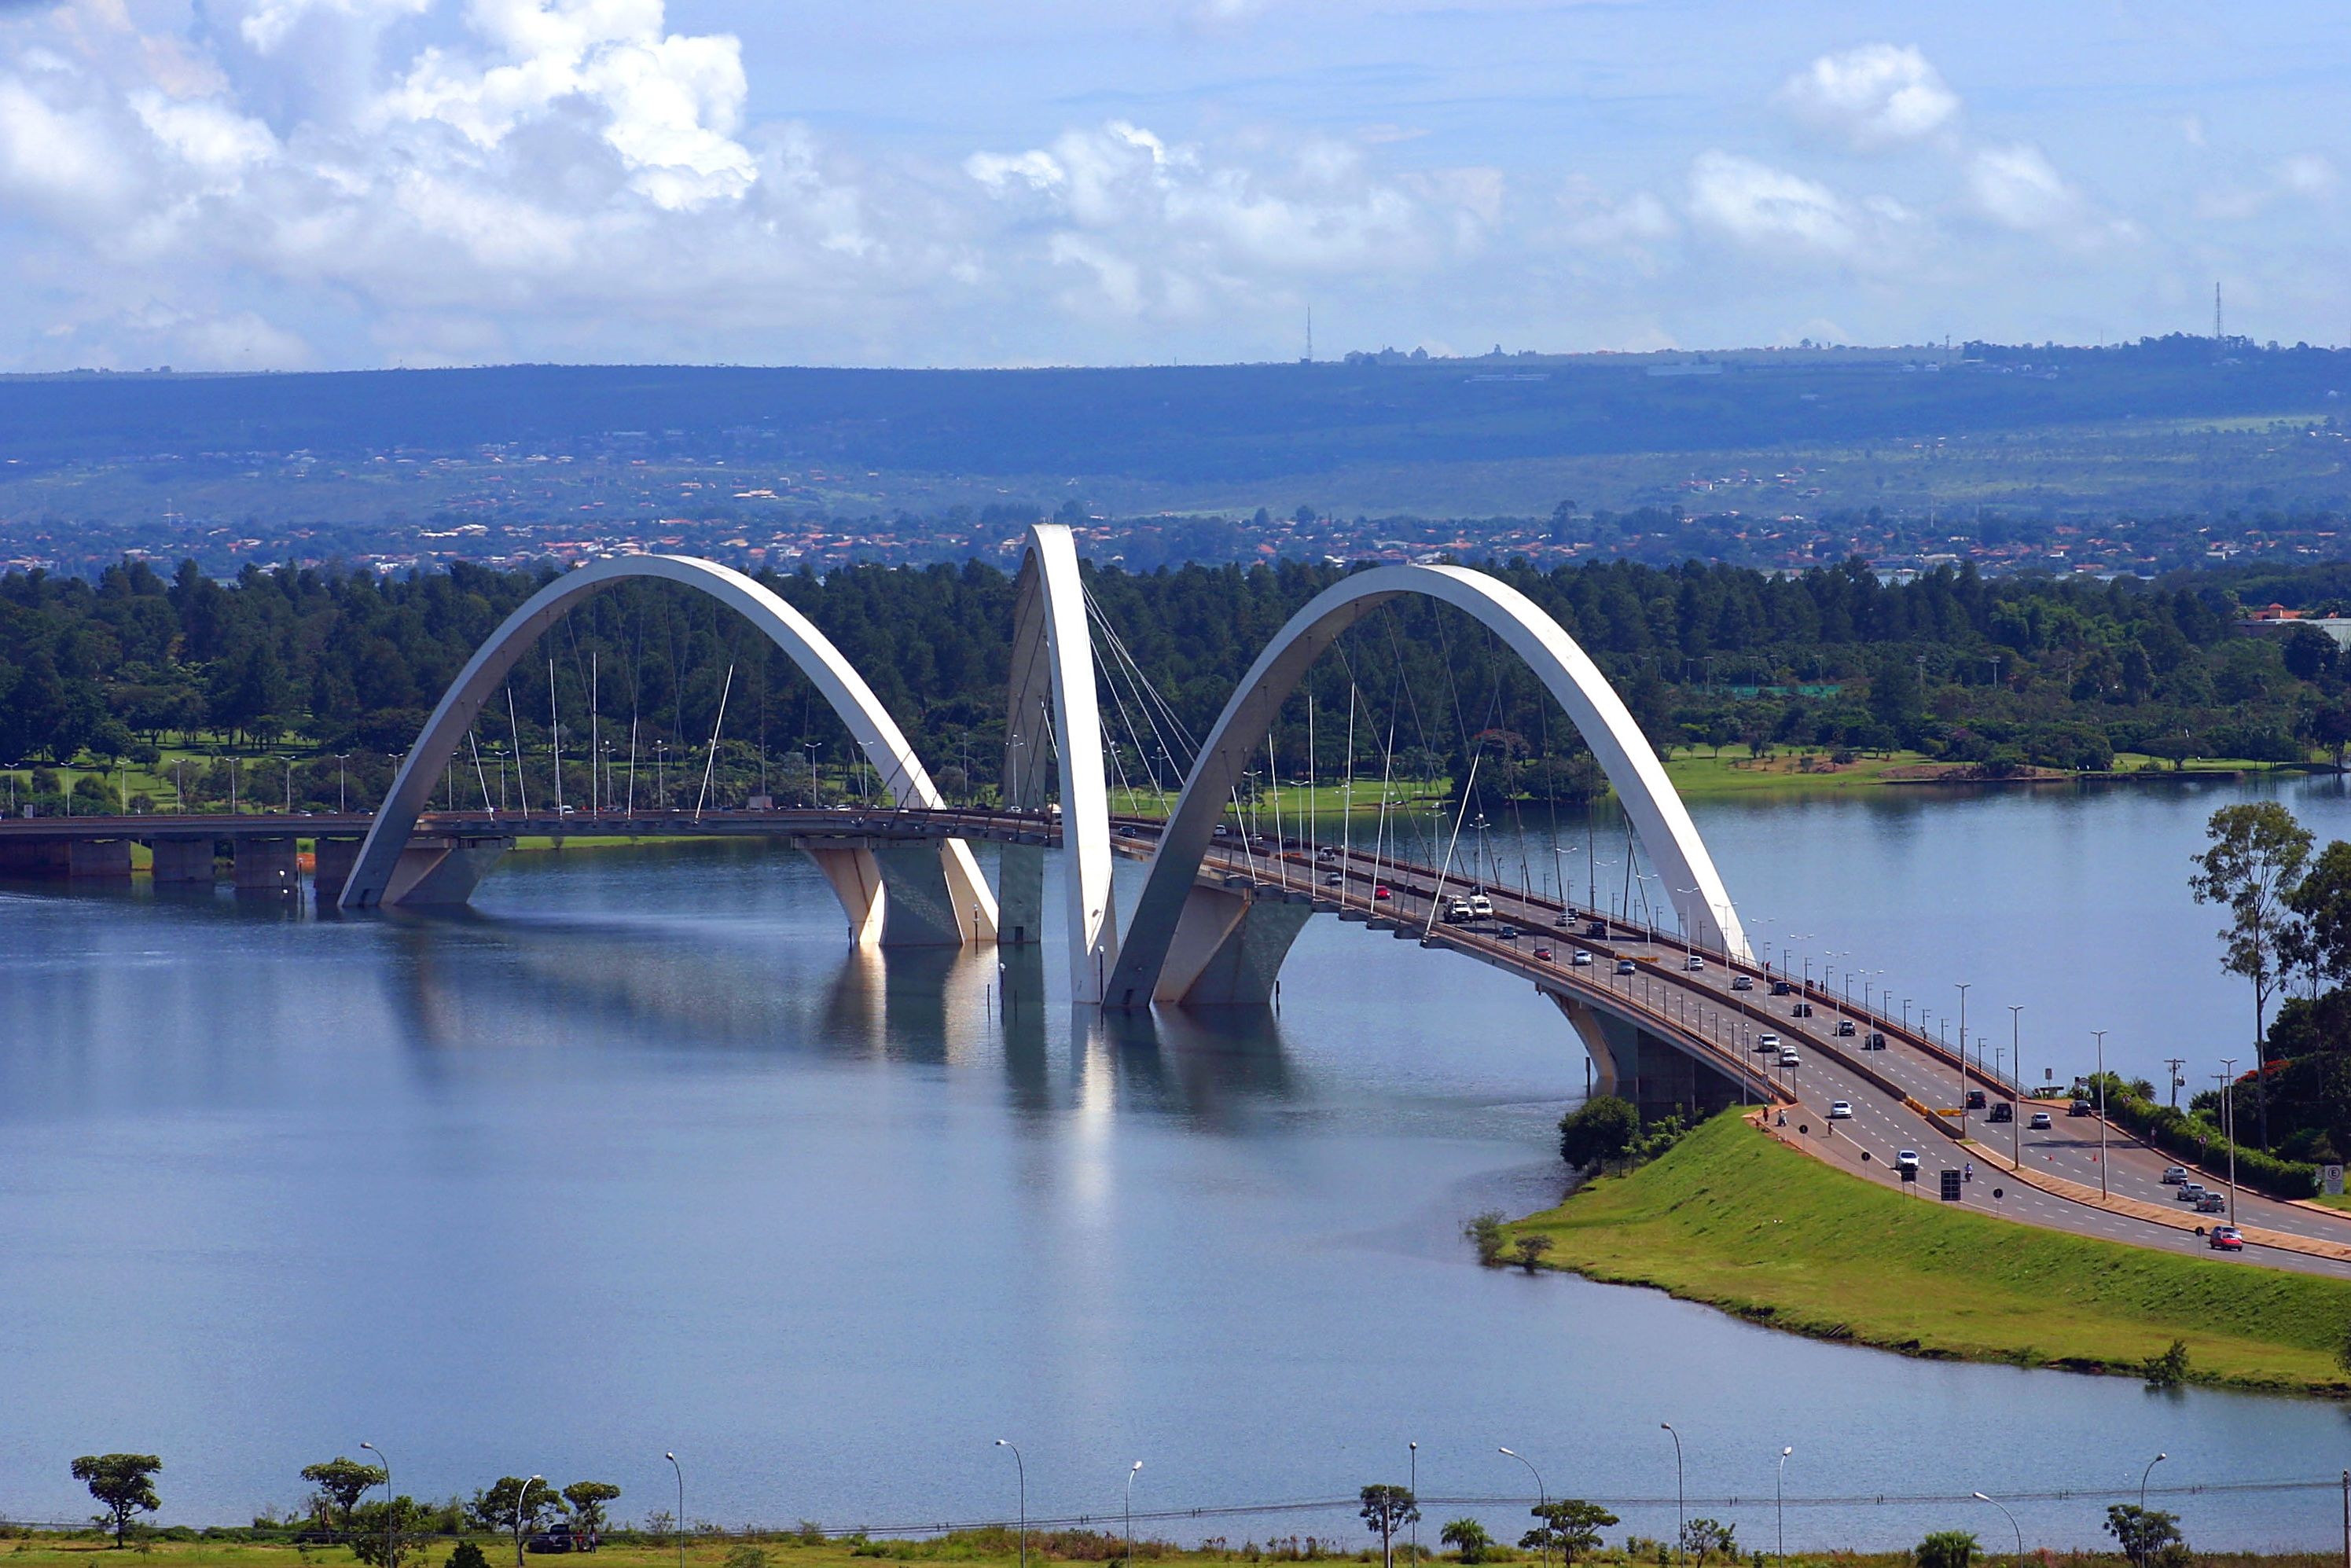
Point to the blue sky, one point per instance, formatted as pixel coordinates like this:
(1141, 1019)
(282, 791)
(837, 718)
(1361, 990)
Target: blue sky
(228, 183)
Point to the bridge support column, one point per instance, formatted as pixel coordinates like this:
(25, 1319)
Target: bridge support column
(182, 860)
(1020, 894)
(330, 869)
(901, 895)
(856, 880)
(1228, 949)
(19, 858)
(266, 865)
(1659, 1077)
(442, 872)
(99, 857)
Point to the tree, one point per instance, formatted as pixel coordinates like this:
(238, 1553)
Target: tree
(469, 1556)
(1485, 1233)
(1946, 1549)
(1469, 1538)
(2257, 854)
(515, 1506)
(124, 1484)
(588, 1499)
(2145, 1534)
(344, 1481)
(2169, 1370)
(1600, 1129)
(2321, 900)
(1569, 1527)
(381, 1532)
(1701, 1536)
(1531, 1250)
(1388, 1509)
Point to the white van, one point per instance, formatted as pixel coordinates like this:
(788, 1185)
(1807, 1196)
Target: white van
(1480, 907)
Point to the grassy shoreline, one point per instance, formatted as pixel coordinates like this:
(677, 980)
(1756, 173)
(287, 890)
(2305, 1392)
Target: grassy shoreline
(988, 1547)
(1737, 1221)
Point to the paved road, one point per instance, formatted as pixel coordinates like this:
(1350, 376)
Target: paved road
(1707, 1006)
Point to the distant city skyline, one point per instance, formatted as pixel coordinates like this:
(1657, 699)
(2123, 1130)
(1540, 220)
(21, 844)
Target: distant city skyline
(327, 183)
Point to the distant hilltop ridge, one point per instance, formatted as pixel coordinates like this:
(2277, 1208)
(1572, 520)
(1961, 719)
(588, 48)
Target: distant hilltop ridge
(2176, 347)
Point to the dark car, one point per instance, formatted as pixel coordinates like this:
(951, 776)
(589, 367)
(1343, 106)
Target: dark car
(558, 1537)
(1782, 989)
(1597, 928)
(2078, 1108)
(2002, 1111)
(1974, 1099)
(1845, 1027)
(1876, 1041)
(1800, 1011)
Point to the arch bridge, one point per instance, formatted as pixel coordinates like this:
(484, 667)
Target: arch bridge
(1216, 916)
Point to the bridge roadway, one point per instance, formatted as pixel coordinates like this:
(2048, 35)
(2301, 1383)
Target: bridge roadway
(1895, 1094)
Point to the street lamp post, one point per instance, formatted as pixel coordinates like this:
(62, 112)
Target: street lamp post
(391, 1557)
(1412, 1484)
(1963, 1059)
(1780, 1500)
(2229, 1126)
(1542, 1497)
(1132, 1472)
(1681, 1505)
(681, 1507)
(2016, 1065)
(2012, 1523)
(2142, 1480)
(2102, 1112)
(1021, 1468)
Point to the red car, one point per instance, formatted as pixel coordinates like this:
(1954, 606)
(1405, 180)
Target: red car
(2226, 1239)
(1543, 952)
(1380, 891)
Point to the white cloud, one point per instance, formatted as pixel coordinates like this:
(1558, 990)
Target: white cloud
(2017, 187)
(1165, 229)
(1774, 211)
(1875, 96)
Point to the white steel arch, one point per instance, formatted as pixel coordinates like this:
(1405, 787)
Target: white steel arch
(1566, 671)
(1054, 675)
(875, 732)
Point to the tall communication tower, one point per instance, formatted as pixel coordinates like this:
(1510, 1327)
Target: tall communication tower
(1310, 335)
(2217, 334)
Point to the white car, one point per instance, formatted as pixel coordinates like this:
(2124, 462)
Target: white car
(2173, 1176)
(1906, 1160)
(1767, 1040)
(1788, 1056)
(1840, 1111)
(1693, 962)
(1582, 958)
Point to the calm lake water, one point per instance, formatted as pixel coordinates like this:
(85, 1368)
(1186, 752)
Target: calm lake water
(637, 1159)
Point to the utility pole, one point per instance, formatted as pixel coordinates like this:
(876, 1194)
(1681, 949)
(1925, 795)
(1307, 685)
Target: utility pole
(2173, 1064)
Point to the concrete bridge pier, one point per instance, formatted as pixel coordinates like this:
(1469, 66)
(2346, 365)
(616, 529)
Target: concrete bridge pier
(90, 858)
(1658, 1078)
(330, 868)
(439, 872)
(35, 857)
(268, 865)
(1228, 946)
(895, 894)
(1020, 896)
(181, 861)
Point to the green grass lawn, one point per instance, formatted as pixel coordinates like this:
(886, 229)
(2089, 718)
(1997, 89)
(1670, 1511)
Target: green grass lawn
(1735, 1220)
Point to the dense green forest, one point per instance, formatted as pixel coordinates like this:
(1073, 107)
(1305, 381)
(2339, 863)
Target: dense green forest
(338, 670)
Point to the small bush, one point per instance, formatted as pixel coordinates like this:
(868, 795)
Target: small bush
(469, 1556)
(1485, 1233)
(2169, 1370)
(746, 1555)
